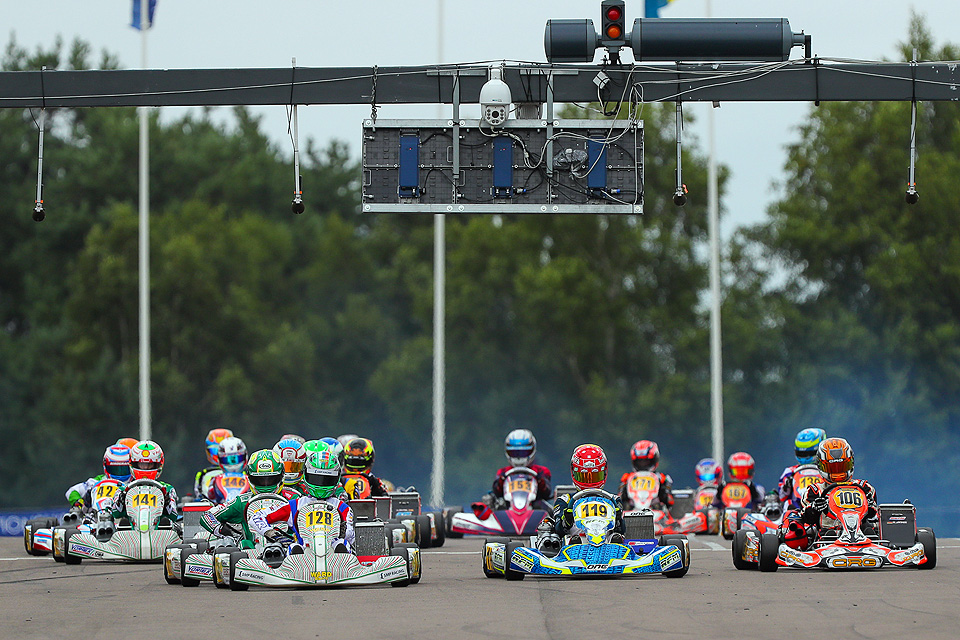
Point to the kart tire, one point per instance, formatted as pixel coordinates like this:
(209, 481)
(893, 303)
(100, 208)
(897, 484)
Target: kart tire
(186, 550)
(66, 547)
(410, 545)
(440, 528)
(403, 552)
(448, 521)
(739, 542)
(28, 540)
(234, 585)
(56, 558)
(509, 573)
(167, 576)
(928, 539)
(769, 550)
(200, 544)
(389, 529)
(423, 531)
(228, 550)
(684, 546)
(52, 522)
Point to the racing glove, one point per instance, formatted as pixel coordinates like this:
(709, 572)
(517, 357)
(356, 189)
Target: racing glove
(272, 535)
(820, 504)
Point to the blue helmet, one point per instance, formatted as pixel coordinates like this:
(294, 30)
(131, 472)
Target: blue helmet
(520, 447)
(708, 471)
(806, 445)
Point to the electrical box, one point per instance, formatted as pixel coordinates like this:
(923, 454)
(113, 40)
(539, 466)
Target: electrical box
(525, 166)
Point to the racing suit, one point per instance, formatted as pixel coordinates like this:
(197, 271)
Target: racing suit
(544, 486)
(816, 514)
(290, 491)
(170, 503)
(79, 494)
(562, 519)
(231, 513)
(756, 494)
(664, 494)
(227, 486)
(260, 522)
(203, 482)
(376, 487)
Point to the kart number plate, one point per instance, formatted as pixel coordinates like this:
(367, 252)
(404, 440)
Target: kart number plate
(735, 492)
(848, 498)
(643, 482)
(144, 500)
(105, 490)
(520, 485)
(591, 510)
(234, 482)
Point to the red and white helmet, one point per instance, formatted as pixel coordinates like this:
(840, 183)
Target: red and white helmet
(146, 460)
(740, 466)
(645, 455)
(116, 462)
(588, 467)
(294, 458)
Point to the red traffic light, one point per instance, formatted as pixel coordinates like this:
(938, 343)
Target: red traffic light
(613, 13)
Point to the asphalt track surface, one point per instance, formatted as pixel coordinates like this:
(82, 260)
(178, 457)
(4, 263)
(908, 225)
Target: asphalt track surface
(43, 599)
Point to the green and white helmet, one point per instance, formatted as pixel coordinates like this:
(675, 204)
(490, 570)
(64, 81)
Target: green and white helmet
(265, 471)
(322, 473)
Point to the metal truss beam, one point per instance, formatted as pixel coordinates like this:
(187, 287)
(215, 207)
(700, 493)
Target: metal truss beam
(792, 81)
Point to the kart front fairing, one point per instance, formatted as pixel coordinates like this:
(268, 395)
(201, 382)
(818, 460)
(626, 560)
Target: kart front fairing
(586, 559)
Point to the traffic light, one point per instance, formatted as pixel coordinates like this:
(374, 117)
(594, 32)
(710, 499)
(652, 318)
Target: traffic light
(613, 31)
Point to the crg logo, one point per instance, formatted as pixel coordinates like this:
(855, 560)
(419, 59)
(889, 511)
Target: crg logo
(865, 562)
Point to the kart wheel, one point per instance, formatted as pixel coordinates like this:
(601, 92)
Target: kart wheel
(423, 531)
(509, 573)
(216, 576)
(69, 559)
(200, 544)
(403, 552)
(52, 522)
(926, 537)
(29, 535)
(440, 528)
(168, 575)
(769, 550)
(739, 543)
(448, 522)
(389, 529)
(684, 547)
(56, 556)
(410, 545)
(234, 585)
(186, 550)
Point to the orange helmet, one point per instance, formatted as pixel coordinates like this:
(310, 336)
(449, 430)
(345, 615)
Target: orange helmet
(588, 467)
(740, 466)
(214, 438)
(129, 443)
(835, 460)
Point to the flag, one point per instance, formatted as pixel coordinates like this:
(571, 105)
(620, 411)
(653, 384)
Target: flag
(654, 6)
(151, 7)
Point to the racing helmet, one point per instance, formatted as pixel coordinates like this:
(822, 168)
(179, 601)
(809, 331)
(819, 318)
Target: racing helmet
(116, 462)
(129, 443)
(740, 466)
(588, 467)
(336, 446)
(322, 473)
(214, 438)
(232, 455)
(835, 460)
(520, 447)
(293, 457)
(358, 456)
(708, 471)
(645, 455)
(265, 471)
(293, 436)
(146, 460)
(345, 439)
(806, 445)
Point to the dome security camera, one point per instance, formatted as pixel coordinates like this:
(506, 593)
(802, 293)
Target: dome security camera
(495, 98)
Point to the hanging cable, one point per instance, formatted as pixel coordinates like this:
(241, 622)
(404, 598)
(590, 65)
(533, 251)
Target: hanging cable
(912, 197)
(297, 205)
(38, 212)
(680, 195)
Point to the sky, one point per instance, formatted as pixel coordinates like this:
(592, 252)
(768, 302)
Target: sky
(750, 137)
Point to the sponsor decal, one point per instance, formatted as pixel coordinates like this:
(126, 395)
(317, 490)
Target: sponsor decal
(865, 562)
(670, 559)
(522, 560)
(200, 570)
(896, 518)
(596, 567)
(908, 555)
(82, 549)
(320, 575)
(398, 572)
(249, 575)
(790, 555)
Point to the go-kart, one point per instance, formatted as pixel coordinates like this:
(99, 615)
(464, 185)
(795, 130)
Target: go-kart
(694, 512)
(842, 543)
(518, 518)
(588, 550)
(316, 563)
(142, 536)
(767, 519)
(735, 497)
(643, 489)
(38, 533)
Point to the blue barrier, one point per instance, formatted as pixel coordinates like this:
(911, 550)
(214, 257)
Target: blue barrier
(13, 521)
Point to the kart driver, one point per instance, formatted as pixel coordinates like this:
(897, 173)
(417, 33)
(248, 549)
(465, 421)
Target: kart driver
(321, 476)
(708, 471)
(232, 456)
(203, 483)
(588, 469)
(116, 466)
(805, 448)
(146, 463)
(265, 472)
(358, 461)
(645, 456)
(520, 447)
(835, 461)
(740, 467)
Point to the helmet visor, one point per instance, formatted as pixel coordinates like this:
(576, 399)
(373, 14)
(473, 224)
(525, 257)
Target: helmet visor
(321, 479)
(520, 450)
(806, 455)
(589, 476)
(741, 473)
(233, 460)
(837, 468)
(293, 466)
(146, 465)
(707, 476)
(118, 471)
(268, 480)
(356, 463)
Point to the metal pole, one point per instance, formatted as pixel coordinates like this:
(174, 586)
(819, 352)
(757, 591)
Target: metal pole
(713, 224)
(439, 314)
(145, 430)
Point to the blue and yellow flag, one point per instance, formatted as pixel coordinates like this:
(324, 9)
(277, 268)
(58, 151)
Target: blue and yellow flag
(654, 6)
(152, 6)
